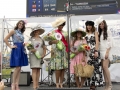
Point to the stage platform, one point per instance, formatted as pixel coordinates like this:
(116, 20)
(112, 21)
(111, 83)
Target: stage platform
(116, 86)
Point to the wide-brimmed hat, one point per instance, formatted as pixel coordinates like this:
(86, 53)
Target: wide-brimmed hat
(99, 20)
(73, 34)
(38, 27)
(58, 22)
(91, 23)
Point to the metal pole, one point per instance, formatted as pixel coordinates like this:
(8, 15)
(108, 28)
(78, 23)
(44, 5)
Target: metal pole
(67, 10)
(2, 44)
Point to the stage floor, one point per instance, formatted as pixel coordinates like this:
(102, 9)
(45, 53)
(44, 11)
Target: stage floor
(116, 86)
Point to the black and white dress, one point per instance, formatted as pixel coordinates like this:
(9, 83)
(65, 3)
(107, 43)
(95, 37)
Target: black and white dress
(96, 79)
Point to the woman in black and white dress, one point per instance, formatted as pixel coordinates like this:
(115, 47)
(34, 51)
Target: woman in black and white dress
(93, 56)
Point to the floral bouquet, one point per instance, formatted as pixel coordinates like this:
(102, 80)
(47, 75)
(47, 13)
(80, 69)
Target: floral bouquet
(55, 36)
(79, 48)
(30, 46)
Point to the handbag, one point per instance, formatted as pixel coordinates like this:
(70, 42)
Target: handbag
(87, 71)
(78, 69)
(84, 70)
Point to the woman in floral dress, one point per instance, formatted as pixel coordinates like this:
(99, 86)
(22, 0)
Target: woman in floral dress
(93, 56)
(59, 60)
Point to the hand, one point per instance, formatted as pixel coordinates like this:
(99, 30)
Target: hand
(1, 85)
(76, 52)
(96, 54)
(55, 41)
(33, 50)
(106, 55)
(42, 56)
(14, 46)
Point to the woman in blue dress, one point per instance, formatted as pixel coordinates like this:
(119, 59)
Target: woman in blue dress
(18, 54)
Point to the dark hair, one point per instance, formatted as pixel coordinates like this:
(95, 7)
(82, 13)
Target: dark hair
(16, 27)
(63, 24)
(93, 29)
(105, 35)
(75, 38)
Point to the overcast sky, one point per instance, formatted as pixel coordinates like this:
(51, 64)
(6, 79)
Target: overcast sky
(13, 8)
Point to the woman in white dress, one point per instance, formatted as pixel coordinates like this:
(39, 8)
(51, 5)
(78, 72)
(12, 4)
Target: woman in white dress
(105, 46)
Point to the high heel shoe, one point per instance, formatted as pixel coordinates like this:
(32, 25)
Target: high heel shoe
(57, 85)
(61, 85)
(17, 87)
(12, 86)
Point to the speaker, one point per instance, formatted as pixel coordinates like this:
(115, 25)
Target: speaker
(25, 79)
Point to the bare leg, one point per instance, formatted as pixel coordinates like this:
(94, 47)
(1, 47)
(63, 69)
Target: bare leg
(34, 76)
(38, 76)
(17, 78)
(62, 77)
(106, 73)
(15, 73)
(57, 72)
(82, 81)
(77, 81)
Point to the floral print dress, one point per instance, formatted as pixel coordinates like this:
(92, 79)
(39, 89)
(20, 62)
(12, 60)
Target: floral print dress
(58, 57)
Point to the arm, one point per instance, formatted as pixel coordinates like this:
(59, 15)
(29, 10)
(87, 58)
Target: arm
(97, 41)
(7, 37)
(44, 51)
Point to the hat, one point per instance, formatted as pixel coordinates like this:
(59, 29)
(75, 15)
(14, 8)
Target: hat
(78, 30)
(91, 23)
(58, 22)
(99, 20)
(38, 27)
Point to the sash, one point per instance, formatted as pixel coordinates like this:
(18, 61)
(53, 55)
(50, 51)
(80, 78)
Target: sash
(63, 39)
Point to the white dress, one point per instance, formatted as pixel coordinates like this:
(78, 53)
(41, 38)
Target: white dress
(105, 44)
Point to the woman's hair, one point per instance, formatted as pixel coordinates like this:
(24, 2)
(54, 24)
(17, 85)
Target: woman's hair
(105, 35)
(75, 38)
(23, 29)
(92, 30)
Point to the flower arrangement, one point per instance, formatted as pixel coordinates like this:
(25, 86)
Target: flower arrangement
(79, 48)
(55, 36)
(30, 46)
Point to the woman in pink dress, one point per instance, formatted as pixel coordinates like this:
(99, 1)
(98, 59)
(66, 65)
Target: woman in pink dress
(80, 56)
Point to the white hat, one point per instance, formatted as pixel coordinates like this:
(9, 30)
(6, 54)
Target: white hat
(38, 27)
(58, 22)
(99, 20)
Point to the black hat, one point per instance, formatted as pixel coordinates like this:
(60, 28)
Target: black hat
(91, 23)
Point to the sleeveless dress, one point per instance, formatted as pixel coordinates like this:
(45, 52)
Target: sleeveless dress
(96, 79)
(77, 59)
(18, 55)
(34, 62)
(58, 59)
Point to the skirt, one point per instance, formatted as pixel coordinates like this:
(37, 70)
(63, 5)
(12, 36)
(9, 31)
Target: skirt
(18, 56)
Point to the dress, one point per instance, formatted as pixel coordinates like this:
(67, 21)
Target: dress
(77, 59)
(105, 44)
(58, 57)
(18, 55)
(34, 62)
(96, 79)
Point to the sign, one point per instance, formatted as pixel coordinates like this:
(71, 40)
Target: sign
(40, 8)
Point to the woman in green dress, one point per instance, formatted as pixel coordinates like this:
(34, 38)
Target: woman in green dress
(59, 60)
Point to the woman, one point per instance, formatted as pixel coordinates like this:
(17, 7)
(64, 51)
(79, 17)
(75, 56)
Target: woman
(105, 46)
(80, 56)
(58, 58)
(93, 56)
(18, 55)
(39, 46)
